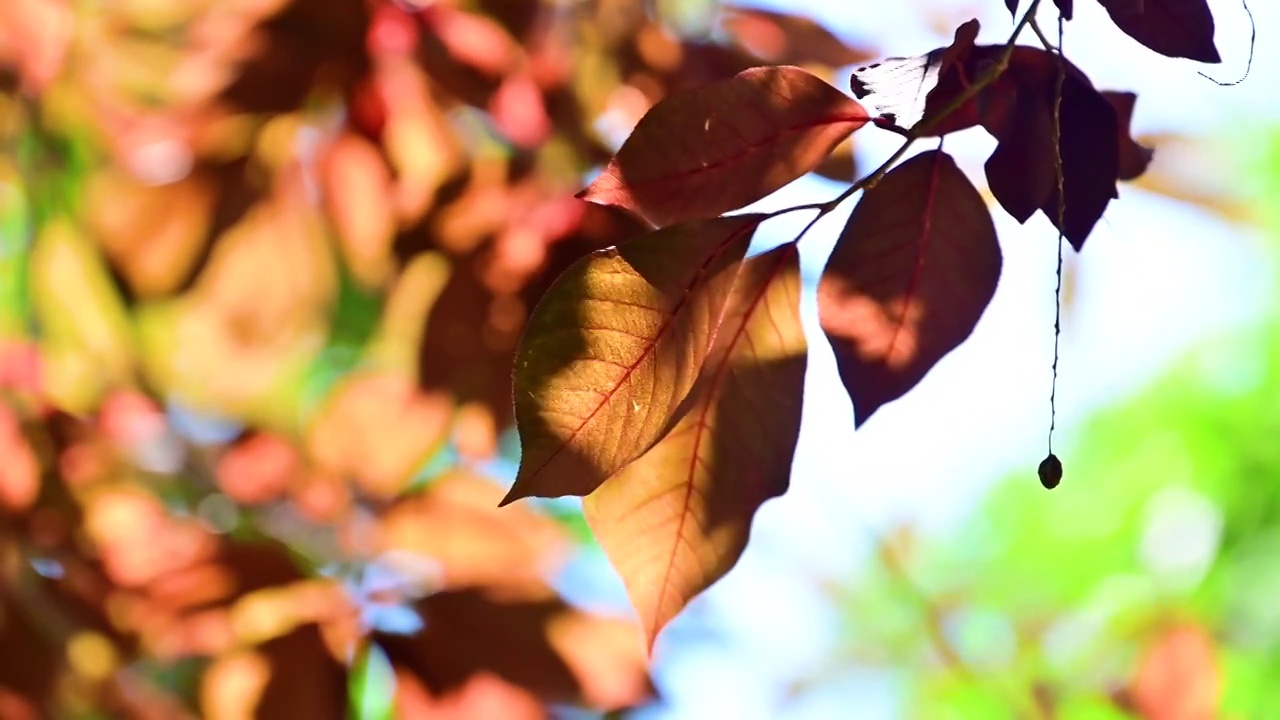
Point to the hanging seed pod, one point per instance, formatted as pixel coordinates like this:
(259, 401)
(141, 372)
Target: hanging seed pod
(1050, 472)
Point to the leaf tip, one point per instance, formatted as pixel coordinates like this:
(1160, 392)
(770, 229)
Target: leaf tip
(512, 495)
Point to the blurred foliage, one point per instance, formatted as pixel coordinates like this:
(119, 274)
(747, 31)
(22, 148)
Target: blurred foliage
(263, 265)
(1144, 586)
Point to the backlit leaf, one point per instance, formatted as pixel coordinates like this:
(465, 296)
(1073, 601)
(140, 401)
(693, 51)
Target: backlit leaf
(614, 348)
(907, 90)
(909, 277)
(704, 151)
(677, 519)
(1176, 28)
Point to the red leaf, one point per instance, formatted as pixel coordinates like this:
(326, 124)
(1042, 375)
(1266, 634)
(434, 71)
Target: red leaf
(1021, 171)
(1017, 110)
(1066, 8)
(677, 519)
(784, 38)
(701, 152)
(909, 277)
(1175, 28)
(1090, 154)
(536, 642)
(613, 349)
(1134, 158)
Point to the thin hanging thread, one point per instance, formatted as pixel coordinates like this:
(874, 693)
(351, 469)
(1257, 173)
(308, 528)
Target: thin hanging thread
(1253, 40)
(1062, 214)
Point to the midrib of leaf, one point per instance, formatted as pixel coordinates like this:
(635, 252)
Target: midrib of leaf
(748, 149)
(702, 426)
(606, 397)
(922, 243)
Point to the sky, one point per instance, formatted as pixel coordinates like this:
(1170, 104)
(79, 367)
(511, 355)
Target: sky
(1155, 279)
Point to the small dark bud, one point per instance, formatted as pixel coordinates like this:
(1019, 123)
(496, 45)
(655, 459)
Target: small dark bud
(1050, 472)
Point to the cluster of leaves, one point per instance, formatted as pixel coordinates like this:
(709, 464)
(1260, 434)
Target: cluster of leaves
(661, 379)
(263, 268)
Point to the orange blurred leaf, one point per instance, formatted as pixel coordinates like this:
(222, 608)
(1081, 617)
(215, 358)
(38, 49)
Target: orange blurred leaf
(358, 190)
(1178, 677)
(457, 523)
(787, 39)
(19, 467)
(378, 429)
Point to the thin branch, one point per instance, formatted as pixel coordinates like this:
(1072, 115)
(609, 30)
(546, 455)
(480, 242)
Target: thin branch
(1044, 40)
(922, 128)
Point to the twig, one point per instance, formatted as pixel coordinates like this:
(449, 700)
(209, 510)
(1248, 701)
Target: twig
(1048, 46)
(1062, 215)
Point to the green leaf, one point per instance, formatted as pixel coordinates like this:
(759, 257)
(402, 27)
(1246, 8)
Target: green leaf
(614, 347)
(372, 685)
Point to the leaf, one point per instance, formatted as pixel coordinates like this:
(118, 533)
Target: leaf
(677, 519)
(20, 471)
(378, 429)
(1066, 8)
(1134, 158)
(1022, 172)
(361, 206)
(704, 151)
(783, 38)
(455, 524)
(910, 89)
(1178, 676)
(613, 349)
(841, 165)
(912, 272)
(1088, 146)
(1174, 28)
(1018, 110)
(520, 639)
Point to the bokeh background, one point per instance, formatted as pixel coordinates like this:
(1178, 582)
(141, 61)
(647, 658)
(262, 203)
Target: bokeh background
(262, 267)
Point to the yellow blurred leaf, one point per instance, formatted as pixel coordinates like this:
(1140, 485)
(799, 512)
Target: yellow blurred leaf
(394, 347)
(86, 335)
